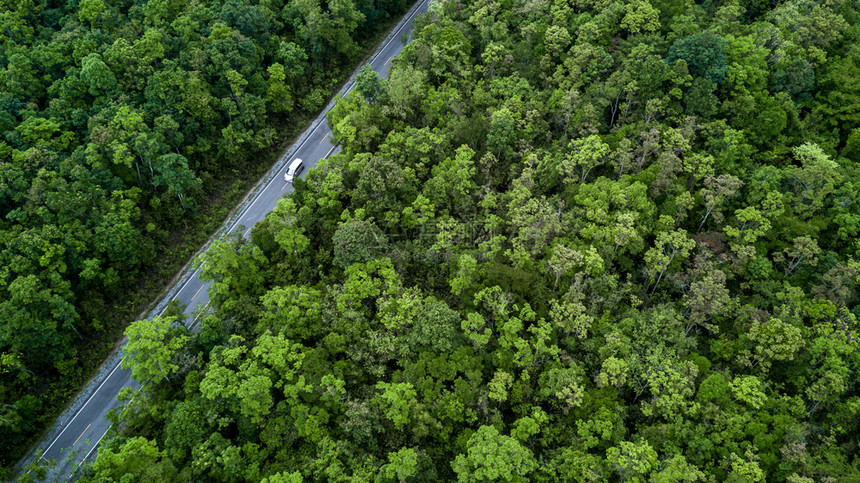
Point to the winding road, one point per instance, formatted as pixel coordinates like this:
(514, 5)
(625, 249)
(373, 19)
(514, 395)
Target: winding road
(79, 431)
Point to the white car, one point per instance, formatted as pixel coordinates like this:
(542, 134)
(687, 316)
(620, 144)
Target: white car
(295, 168)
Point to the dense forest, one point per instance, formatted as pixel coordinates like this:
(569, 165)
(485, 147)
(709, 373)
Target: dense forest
(585, 240)
(121, 122)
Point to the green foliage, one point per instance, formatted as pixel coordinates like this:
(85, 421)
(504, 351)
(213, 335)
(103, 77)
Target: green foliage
(97, 75)
(543, 253)
(401, 465)
(370, 85)
(397, 401)
(632, 461)
(127, 129)
(491, 456)
(136, 459)
(151, 347)
(704, 54)
(358, 241)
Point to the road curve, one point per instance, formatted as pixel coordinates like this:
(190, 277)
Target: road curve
(78, 432)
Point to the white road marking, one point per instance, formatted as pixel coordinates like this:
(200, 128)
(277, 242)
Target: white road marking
(194, 322)
(79, 411)
(91, 449)
(329, 152)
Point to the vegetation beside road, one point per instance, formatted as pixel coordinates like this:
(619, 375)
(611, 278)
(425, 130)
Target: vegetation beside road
(131, 129)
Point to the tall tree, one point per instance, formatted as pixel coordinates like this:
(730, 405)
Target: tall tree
(151, 347)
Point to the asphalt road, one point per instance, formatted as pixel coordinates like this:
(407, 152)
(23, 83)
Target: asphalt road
(80, 437)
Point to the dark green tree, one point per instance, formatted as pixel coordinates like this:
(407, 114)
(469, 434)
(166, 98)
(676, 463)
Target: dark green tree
(704, 53)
